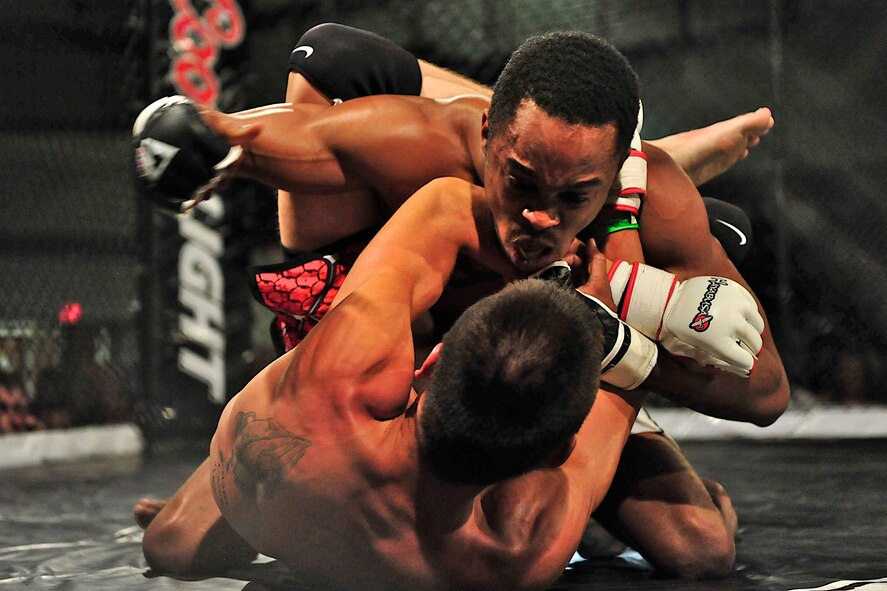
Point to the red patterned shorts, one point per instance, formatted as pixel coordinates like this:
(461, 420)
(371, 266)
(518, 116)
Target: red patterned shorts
(299, 292)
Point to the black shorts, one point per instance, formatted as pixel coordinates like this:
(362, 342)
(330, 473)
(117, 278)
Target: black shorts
(344, 63)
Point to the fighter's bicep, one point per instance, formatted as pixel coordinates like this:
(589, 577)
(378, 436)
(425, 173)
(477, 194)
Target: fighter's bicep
(295, 149)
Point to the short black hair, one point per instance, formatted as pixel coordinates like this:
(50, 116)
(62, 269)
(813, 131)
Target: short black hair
(574, 76)
(517, 375)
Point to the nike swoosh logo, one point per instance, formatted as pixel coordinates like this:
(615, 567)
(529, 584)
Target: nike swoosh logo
(306, 48)
(742, 238)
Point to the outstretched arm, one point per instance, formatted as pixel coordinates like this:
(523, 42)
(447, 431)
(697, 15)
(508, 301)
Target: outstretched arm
(390, 144)
(417, 247)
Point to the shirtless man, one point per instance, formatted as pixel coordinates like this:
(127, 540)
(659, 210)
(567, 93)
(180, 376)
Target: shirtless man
(658, 504)
(483, 480)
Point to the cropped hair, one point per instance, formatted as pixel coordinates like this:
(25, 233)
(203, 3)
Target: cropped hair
(576, 77)
(517, 375)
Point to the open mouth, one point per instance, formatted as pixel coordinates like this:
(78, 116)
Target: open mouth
(530, 251)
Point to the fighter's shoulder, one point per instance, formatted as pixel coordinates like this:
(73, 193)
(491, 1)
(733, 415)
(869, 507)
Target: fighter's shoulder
(450, 195)
(659, 161)
(674, 224)
(473, 103)
(383, 105)
(402, 109)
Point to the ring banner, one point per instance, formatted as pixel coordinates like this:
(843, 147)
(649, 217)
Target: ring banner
(197, 350)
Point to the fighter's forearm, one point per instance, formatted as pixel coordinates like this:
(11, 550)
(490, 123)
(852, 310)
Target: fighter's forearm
(420, 243)
(759, 399)
(704, 322)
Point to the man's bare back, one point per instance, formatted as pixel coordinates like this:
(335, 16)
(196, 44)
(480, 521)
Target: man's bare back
(315, 461)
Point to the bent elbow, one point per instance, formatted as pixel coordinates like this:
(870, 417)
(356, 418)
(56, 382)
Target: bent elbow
(774, 404)
(766, 419)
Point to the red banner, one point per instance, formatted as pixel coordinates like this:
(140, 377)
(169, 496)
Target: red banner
(196, 39)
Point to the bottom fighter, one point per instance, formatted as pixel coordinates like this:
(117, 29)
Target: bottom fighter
(483, 480)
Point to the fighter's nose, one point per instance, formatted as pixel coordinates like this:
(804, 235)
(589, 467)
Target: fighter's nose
(541, 219)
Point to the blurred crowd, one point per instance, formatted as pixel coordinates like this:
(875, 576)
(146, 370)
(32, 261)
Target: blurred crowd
(65, 383)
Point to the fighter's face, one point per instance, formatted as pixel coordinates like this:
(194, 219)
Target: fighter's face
(545, 181)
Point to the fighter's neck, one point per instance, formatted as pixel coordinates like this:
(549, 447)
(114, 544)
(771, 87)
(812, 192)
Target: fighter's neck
(441, 507)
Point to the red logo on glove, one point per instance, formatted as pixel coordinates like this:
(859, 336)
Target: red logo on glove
(700, 322)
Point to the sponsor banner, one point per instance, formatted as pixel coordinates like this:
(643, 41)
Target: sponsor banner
(198, 33)
(199, 349)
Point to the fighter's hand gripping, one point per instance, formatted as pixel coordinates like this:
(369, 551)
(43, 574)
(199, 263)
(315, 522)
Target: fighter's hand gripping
(713, 320)
(629, 356)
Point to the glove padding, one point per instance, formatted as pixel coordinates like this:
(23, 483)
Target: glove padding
(628, 356)
(177, 156)
(713, 320)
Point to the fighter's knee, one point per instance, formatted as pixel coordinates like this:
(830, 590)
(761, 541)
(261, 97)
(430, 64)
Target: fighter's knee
(731, 226)
(157, 552)
(347, 63)
(703, 549)
(162, 551)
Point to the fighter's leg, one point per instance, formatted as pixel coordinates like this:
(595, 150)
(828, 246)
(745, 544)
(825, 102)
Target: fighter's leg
(659, 505)
(340, 63)
(730, 225)
(145, 510)
(300, 91)
(706, 152)
(188, 537)
(333, 63)
(298, 214)
(441, 83)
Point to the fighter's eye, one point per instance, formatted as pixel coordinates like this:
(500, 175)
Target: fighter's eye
(574, 198)
(520, 184)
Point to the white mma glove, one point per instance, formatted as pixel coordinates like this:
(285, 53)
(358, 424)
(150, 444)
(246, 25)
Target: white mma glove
(713, 320)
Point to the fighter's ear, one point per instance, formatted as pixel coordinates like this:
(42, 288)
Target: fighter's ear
(485, 128)
(429, 363)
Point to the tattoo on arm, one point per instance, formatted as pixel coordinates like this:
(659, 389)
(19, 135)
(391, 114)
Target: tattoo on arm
(217, 481)
(263, 454)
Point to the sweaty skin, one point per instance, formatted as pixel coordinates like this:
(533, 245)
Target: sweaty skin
(406, 141)
(316, 457)
(372, 157)
(702, 153)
